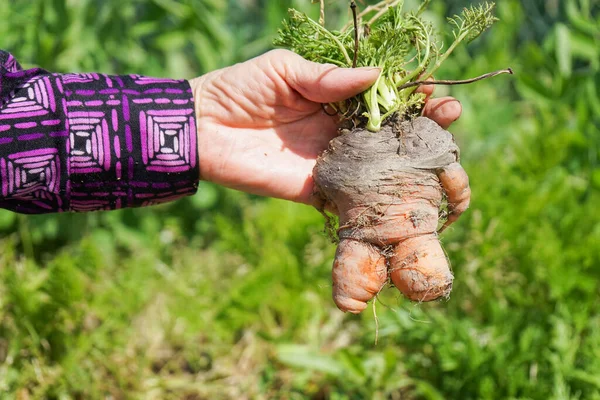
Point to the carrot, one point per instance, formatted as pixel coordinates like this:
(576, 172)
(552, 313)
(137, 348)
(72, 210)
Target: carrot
(359, 273)
(388, 189)
(388, 172)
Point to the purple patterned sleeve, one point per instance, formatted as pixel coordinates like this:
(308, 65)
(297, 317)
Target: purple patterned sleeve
(87, 142)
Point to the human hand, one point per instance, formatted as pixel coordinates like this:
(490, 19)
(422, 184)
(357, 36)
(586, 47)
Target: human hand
(261, 126)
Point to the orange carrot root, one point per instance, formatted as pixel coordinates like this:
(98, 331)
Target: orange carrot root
(455, 183)
(388, 188)
(359, 273)
(419, 269)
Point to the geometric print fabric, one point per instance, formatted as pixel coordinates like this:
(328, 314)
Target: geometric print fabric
(86, 142)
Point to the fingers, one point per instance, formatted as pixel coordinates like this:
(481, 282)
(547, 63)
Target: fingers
(322, 83)
(426, 89)
(444, 110)
(327, 83)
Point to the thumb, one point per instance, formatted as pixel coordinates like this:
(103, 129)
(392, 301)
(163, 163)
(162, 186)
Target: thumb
(324, 83)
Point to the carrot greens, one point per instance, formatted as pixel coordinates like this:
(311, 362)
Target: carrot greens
(401, 43)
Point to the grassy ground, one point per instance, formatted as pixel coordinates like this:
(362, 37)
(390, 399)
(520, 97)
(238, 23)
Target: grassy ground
(227, 296)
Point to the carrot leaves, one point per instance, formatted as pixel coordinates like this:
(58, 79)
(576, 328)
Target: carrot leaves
(403, 44)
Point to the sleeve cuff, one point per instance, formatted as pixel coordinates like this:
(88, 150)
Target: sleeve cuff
(131, 141)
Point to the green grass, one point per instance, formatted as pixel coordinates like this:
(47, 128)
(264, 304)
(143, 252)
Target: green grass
(227, 296)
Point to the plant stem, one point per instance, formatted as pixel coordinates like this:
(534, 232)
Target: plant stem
(457, 82)
(384, 9)
(335, 62)
(353, 7)
(424, 61)
(423, 7)
(444, 56)
(322, 14)
(374, 122)
(327, 33)
(380, 7)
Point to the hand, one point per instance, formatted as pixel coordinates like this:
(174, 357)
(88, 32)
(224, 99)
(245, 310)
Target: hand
(261, 126)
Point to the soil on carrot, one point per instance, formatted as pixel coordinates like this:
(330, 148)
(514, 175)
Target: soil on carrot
(387, 176)
(387, 191)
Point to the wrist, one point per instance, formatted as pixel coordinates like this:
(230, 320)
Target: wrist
(198, 88)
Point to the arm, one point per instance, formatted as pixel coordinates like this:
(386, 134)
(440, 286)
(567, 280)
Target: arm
(260, 128)
(85, 142)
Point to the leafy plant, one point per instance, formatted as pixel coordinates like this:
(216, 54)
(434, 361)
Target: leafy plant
(402, 44)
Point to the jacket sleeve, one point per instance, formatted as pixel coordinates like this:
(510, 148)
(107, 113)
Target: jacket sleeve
(86, 142)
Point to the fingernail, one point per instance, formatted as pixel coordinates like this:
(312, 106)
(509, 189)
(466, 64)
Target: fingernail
(460, 113)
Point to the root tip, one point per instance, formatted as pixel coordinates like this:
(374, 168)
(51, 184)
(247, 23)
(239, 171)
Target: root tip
(431, 294)
(347, 304)
(422, 288)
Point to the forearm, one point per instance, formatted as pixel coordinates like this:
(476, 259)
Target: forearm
(84, 142)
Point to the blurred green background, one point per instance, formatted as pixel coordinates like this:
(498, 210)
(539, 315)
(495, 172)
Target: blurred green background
(227, 296)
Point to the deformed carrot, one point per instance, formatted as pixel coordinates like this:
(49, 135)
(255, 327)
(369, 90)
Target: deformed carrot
(388, 189)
